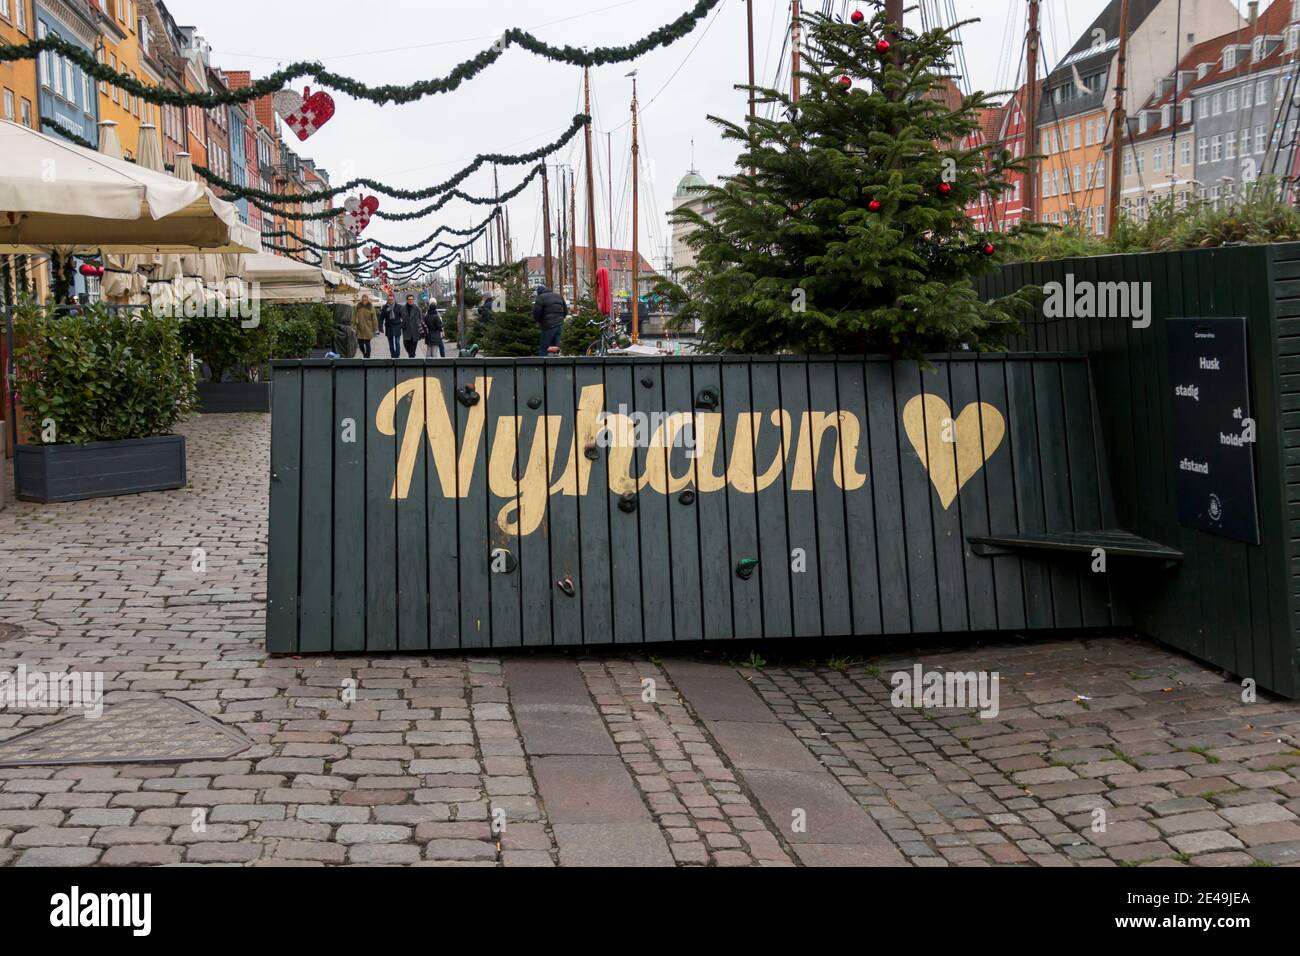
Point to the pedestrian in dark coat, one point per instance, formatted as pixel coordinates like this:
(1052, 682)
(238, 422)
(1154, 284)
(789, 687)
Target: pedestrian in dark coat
(433, 329)
(549, 312)
(412, 325)
(392, 322)
(363, 320)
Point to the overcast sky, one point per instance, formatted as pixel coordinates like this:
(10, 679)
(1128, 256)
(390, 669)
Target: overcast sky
(524, 101)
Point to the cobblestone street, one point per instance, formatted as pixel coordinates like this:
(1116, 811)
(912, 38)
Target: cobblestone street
(577, 759)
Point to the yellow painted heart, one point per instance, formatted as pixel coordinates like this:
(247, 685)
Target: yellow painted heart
(953, 450)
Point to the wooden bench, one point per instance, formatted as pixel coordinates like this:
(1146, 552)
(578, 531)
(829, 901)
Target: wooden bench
(1116, 544)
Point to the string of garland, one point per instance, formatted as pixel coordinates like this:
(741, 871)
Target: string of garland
(496, 159)
(68, 134)
(386, 247)
(381, 95)
(414, 214)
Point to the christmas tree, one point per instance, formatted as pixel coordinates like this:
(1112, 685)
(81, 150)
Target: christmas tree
(844, 229)
(582, 327)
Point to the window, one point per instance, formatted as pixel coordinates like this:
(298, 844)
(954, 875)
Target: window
(1244, 139)
(1047, 144)
(1230, 58)
(4, 8)
(1259, 138)
(1246, 96)
(1128, 164)
(1185, 152)
(87, 93)
(1230, 147)
(1157, 159)
(1261, 91)
(1141, 161)
(28, 115)
(1101, 220)
(1282, 85)
(41, 33)
(1292, 38)
(1078, 135)
(9, 105)
(20, 19)
(112, 90)
(1078, 178)
(1217, 105)
(1231, 105)
(1216, 148)
(1203, 107)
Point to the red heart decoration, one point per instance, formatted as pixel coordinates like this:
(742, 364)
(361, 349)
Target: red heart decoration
(371, 205)
(316, 110)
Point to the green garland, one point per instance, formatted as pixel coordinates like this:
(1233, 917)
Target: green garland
(414, 214)
(386, 247)
(497, 159)
(381, 95)
(70, 137)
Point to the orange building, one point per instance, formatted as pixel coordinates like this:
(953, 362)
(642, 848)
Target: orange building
(123, 31)
(18, 79)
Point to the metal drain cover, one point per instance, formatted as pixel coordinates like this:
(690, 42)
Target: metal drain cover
(10, 632)
(136, 731)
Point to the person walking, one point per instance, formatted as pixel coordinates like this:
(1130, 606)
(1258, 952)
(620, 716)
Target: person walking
(392, 322)
(433, 329)
(363, 320)
(412, 325)
(549, 312)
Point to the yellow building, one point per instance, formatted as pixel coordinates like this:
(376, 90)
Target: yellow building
(123, 29)
(18, 79)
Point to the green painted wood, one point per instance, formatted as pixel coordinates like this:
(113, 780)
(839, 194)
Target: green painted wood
(876, 526)
(350, 507)
(503, 457)
(317, 617)
(803, 568)
(381, 517)
(624, 526)
(472, 518)
(1085, 491)
(1054, 469)
(837, 597)
(923, 586)
(284, 521)
(770, 505)
(594, 523)
(657, 598)
(716, 557)
(746, 596)
(536, 581)
(566, 560)
(972, 505)
(683, 515)
(441, 524)
(413, 627)
(1022, 440)
(1003, 516)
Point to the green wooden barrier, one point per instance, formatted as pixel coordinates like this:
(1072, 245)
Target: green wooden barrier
(1234, 604)
(421, 506)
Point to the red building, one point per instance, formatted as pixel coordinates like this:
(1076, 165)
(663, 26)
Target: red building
(1001, 128)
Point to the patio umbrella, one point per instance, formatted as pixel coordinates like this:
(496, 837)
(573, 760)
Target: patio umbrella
(121, 282)
(281, 279)
(200, 275)
(57, 196)
(158, 271)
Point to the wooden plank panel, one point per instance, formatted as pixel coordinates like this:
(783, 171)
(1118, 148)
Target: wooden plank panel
(683, 516)
(624, 526)
(998, 480)
(442, 520)
(716, 557)
(746, 596)
(876, 525)
(564, 456)
(316, 618)
(472, 509)
(350, 507)
(910, 384)
(1081, 448)
(1027, 478)
(412, 570)
(536, 582)
(971, 509)
(381, 516)
(284, 518)
(502, 435)
(836, 597)
(657, 546)
(594, 508)
(774, 546)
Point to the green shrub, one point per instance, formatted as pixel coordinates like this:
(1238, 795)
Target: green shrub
(227, 347)
(101, 376)
(295, 331)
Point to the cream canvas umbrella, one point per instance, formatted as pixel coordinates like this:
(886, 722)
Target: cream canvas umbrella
(281, 279)
(57, 196)
(153, 271)
(201, 276)
(121, 283)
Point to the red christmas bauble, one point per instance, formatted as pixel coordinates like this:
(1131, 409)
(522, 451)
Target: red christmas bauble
(875, 205)
(883, 46)
(988, 249)
(945, 188)
(846, 82)
(858, 16)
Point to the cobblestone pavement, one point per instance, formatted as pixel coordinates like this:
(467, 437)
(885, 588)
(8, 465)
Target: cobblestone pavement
(1105, 752)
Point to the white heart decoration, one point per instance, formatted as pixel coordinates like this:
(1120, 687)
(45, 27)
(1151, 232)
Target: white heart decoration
(286, 103)
(353, 205)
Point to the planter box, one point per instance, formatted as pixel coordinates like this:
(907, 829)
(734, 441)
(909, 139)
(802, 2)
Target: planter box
(48, 473)
(226, 398)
